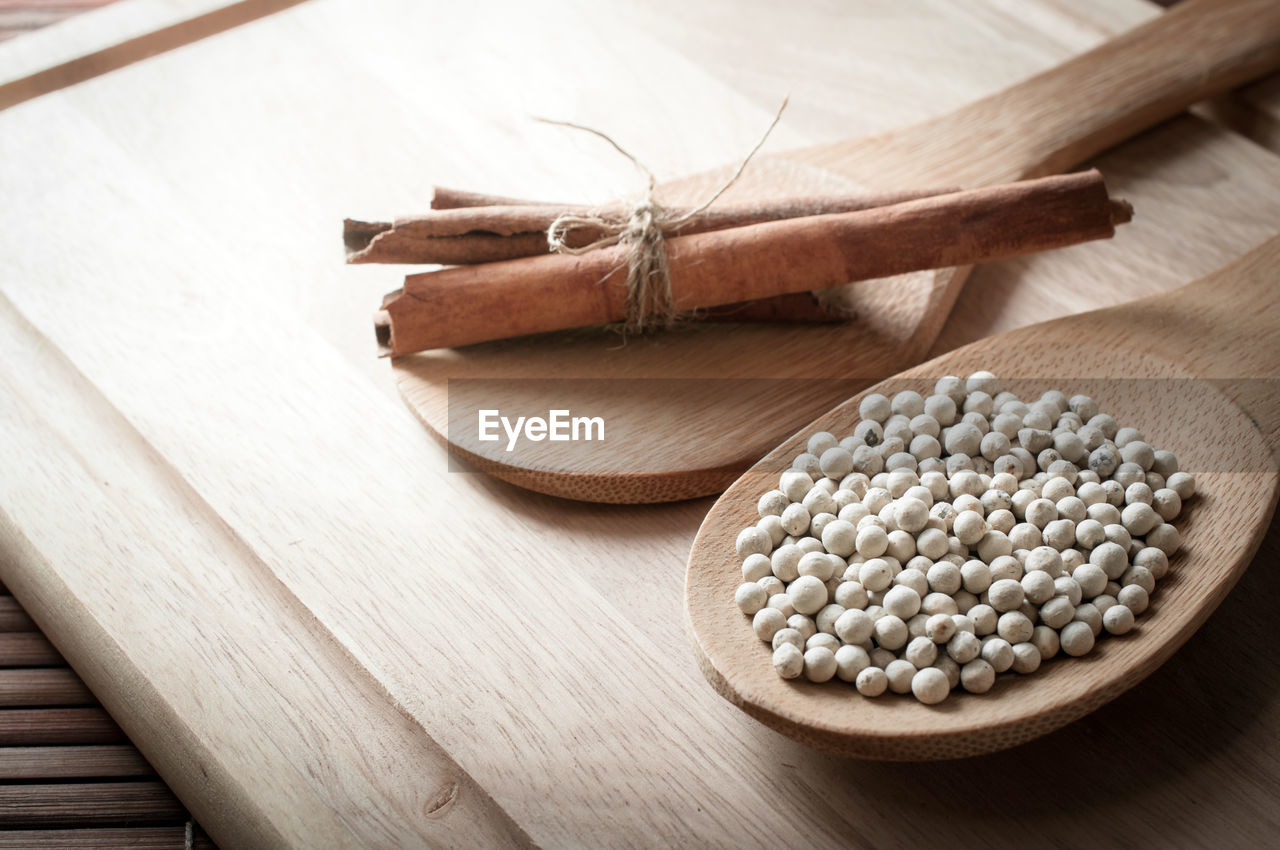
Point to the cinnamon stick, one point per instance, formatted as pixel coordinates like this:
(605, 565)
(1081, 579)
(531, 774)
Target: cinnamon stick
(471, 304)
(444, 198)
(795, 307)
(461, 234)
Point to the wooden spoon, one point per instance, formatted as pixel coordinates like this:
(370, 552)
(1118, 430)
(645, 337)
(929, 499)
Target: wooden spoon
(1195, 369)
(683, 407)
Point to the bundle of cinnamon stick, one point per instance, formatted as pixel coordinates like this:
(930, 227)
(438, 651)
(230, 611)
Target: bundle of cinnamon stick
(763, 258)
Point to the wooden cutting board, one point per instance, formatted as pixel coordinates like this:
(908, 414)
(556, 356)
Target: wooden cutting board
(218, 509)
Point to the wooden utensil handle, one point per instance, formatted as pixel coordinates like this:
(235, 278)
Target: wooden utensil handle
(1071, 112)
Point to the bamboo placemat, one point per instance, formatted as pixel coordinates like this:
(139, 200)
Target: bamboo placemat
(68, 776)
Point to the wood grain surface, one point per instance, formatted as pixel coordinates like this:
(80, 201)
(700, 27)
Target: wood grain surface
(1133, 364)
(359, 647)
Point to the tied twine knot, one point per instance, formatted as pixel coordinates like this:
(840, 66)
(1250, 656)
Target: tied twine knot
(643, 231)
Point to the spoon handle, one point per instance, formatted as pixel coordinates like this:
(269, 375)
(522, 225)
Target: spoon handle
(1069, 113)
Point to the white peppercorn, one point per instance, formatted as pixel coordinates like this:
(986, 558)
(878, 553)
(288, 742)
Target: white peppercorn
(767, 622)
(902, 602)
(964, 647)
(772, 586)
(1005, 595)
(984, 618)
(911, 577)
(939, 603)
(808, 464)
(1091, 616)
(750, 598)
(900, 672)
(1076, 638)
(1026, 658)
(933, 464)
(1045, 559)
(921, 652)
(788, 635)
(1155, 560)
(772, 503)
(1037, 586)
(1060, 534)
(881, 658)
(795, 485)
(1015, 627)
(891, 632)
(808, 544)
(816, 565)
(819, 501)
(808, 593)
(1118, 619)
(871, 681)
(788, 661)
(795, 519)
(900, 461)
(772, 526)
(932, 543)
(803, 625)
(1091, 578)
(1182, 483)
(871, 542)
(940, 628)
(1140, 576)
(782, 602)
(1136, 451)
(1005, 567)
(825, 619)
(1134, 597)
(1057, 612)
(1001, 521)
(1046, 641)
(930, 685)
(850, 661)
(1118, 535)
(1113, 559)
(1068, 587)
(894, 531)
(1139, 518)
(819, 664)
(1128, 473)
(1025, 535)
(1165, 538)
(754, 541)
(944, 577)
(875, 574)
(997, 652)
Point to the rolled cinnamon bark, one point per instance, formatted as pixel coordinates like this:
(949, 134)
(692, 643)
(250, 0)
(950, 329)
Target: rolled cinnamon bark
(464, 234)
(471, 304)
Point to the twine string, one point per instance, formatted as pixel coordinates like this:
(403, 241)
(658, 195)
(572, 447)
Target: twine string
(642, 230)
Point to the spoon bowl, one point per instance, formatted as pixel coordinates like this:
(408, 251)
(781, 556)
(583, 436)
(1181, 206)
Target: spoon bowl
(1194, 369)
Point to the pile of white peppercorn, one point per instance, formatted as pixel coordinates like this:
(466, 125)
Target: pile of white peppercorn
(956, 536)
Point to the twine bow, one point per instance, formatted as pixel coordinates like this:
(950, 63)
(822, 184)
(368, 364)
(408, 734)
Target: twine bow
(642, 231)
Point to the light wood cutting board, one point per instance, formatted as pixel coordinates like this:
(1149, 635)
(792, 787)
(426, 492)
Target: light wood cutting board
(216, 506)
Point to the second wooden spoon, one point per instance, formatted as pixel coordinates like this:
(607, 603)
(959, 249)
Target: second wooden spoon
(1195, 369)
